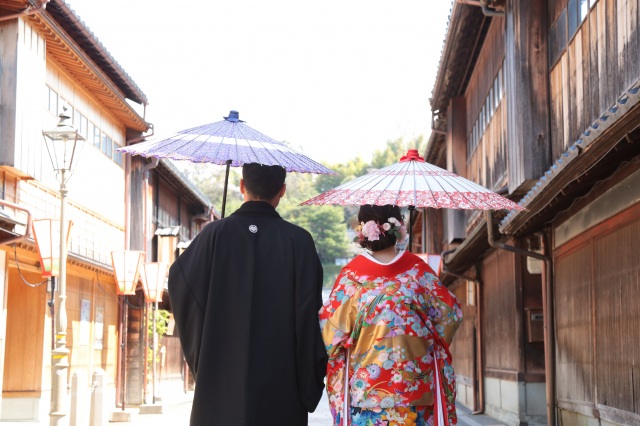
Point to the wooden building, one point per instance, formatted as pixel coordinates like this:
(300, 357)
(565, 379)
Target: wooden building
(50, 59)
(538, 100)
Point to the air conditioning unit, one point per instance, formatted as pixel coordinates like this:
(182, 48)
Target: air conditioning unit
(454, 223)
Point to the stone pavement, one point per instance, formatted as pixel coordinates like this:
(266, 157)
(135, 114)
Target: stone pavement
(177, 408)
(176, 413)
(465, 418)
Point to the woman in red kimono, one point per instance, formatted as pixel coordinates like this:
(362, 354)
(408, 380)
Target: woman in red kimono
(389, 316)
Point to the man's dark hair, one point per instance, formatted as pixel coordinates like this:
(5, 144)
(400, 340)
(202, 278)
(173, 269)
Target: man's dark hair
(263, 182)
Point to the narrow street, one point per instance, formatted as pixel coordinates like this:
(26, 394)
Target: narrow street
(177, 408)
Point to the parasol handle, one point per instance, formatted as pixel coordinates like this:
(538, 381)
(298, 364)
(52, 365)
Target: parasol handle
(224, 192)
(410, 230)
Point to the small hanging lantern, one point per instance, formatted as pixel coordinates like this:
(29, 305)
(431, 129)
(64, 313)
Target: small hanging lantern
(46, 233)
(126, 266)
(153, 278)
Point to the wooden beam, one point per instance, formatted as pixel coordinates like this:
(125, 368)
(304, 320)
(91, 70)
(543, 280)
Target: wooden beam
(527, 93)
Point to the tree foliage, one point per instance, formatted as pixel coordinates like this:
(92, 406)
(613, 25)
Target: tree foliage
(325, 223)
(162, 326)
(395, 150)
(209, 178)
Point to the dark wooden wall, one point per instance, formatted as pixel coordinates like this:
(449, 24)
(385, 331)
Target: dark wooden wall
(597, 288)
(486, 123)
(600, 62)
(169, 205)
(532, 304)
(501, 324)
(8, 77)
(573, 320)
(463, 347)
(485, 71)
(172, 366)
(136, 203)
(135, 353)
(527, 87)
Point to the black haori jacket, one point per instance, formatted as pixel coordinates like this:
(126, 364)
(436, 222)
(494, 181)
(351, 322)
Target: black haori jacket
(245, 296)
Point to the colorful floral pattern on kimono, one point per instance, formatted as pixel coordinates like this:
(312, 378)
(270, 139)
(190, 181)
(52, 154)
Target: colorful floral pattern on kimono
(396, 416)
(396, 321)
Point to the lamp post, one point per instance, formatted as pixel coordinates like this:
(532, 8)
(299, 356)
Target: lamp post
(154, 275)
(61, 145)
(126, 266)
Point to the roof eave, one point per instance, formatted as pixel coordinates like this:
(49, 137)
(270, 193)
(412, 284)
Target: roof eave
(71, 22)
(465, 34)
(183, 181)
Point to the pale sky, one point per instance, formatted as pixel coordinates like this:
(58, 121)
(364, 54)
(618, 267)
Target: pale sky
(335, 79)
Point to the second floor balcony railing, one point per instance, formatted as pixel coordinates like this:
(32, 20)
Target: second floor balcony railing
(93, 236)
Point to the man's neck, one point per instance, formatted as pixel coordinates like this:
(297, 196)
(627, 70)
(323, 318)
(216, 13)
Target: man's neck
(273, 202)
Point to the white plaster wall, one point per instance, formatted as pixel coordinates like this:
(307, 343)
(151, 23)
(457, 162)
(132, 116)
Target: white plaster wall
(30, 100)
(515, 402)
(21, 409)
(3, 316)
(464, 395)
(97, 181)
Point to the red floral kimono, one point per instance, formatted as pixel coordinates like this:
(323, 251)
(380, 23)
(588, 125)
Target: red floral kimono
(397, 321)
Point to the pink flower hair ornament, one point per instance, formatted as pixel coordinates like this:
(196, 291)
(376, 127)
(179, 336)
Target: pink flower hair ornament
(372, 230)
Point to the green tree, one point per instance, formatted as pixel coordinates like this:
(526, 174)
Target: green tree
(345, 172)
(209, 178)
(395, 150)
(162, 324)
(326, 225)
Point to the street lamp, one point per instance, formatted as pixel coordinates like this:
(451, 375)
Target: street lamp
(61, 145)
(155, 274)
(126, 266)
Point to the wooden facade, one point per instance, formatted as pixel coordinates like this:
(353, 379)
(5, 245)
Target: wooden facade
(550, 341)
(50, 61)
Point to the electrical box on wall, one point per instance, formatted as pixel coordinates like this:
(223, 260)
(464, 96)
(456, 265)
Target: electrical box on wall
(535, 325)
(534, 266)
(454, 224)
(471, 293)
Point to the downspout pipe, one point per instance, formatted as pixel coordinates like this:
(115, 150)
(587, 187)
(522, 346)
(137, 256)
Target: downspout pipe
(479, 401)
(143, 137)
(493, 13)
(433, 121)
(27, 229)
(547, 304)
(484, 5)
(30, 10)
(145, 173)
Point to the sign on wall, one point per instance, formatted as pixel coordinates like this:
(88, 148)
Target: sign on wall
(85, 316)
(99, 328)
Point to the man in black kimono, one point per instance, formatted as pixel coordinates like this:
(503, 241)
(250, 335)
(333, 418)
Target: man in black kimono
(245, 297)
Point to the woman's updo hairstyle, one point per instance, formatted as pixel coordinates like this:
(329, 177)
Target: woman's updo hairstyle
(379, 214)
